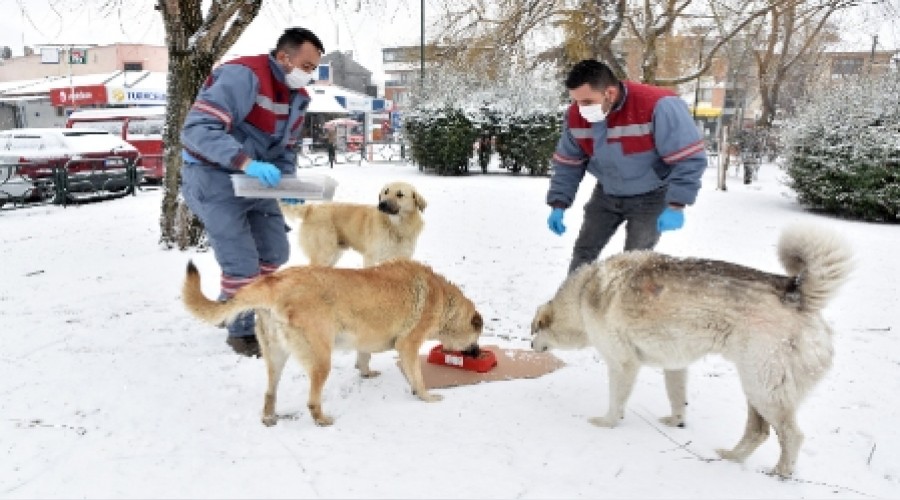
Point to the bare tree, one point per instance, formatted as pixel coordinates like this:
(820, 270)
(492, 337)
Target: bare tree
(590, 30)
(791, 34)
(594, 28)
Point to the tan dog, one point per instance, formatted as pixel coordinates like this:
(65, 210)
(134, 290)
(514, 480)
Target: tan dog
(308, 311)
(645, 308)
(381, 233)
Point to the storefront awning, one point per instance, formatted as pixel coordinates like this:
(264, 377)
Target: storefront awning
(321, 102)
(706, 111)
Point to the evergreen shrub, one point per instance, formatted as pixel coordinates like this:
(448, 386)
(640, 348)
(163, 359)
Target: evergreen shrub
(843, 150)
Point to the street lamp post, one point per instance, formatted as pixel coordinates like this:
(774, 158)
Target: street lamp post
(71, 85)
(422, 44)
(697, 84)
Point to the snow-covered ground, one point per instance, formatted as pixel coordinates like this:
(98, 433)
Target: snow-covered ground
(108, 388)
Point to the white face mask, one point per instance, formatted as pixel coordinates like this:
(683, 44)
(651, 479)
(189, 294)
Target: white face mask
(593, 113)
(297, 78)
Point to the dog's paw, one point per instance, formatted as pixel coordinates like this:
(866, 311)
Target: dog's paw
(269, 420)
(429, 397)
(782, 471)
(673, 421)
(324, 421)
(604, 421)
(729, 455)
(369, 373)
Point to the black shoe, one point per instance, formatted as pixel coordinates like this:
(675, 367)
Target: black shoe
(245, 346)
(244, 325)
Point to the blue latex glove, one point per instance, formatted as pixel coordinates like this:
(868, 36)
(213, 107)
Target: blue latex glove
(555, 221)
(293, 201)
(268, 174)
(670, 220)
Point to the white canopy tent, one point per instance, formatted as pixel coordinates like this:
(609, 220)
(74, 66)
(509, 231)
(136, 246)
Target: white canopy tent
(323, 99)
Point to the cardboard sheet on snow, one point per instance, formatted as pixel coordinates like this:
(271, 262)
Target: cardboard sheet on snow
(511, 364)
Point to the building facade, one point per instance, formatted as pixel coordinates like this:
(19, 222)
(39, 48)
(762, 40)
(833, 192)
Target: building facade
(37, 89)
(347, 73)
(728, 93)
(402, 68)
(85, 60)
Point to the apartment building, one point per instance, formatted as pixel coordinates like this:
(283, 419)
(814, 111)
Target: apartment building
(402, 67)
(344, 71)
(75, 60)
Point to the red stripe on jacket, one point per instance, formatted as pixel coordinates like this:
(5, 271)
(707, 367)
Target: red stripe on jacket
(640, 101)
(269, 87)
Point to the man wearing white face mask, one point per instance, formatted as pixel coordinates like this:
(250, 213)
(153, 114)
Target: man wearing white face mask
(641, 144)
(247, 119)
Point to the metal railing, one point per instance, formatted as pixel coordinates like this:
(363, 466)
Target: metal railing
(316, 154)
(112, 177)
(387, 151)
(17, 191)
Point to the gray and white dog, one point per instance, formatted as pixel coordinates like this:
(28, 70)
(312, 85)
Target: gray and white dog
(645, 308)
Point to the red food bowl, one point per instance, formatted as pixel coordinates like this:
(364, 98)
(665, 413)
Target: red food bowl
(481, 363)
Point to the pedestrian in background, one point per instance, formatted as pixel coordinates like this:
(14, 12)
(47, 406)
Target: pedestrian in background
(330, 141)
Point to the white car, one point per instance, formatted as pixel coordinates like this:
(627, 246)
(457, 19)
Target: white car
(93, 159)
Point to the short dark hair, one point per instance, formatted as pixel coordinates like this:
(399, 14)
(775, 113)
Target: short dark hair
(592, 72)
(295, 37)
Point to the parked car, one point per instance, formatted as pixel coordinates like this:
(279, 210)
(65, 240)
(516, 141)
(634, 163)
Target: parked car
(94, 159)
(141, 127)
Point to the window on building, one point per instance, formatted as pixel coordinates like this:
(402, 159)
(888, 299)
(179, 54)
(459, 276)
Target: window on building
(705, 95)
(390, 55)
(733, 99)
(847, 66)
(134, 66)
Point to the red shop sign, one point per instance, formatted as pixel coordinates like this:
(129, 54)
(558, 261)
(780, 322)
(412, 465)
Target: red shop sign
(78, 95)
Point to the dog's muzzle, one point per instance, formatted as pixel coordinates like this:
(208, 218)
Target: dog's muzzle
(472, 351)
(388, 208)
(537, 346)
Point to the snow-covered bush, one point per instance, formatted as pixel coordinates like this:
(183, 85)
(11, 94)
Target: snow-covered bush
(516, 114)
(441, 139)
(843, 150)
(528, 142)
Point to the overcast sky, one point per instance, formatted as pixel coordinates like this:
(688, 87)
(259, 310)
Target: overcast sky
(377, 24)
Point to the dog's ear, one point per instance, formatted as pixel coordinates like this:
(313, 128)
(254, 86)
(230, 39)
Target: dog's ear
(420, 202)
(477, 322)
(542, 319)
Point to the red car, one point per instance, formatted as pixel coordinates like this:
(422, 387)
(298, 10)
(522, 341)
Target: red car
(141, 127)
(94, 159)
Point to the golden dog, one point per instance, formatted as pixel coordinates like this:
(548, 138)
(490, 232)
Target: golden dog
(381, 233)
(308, 311)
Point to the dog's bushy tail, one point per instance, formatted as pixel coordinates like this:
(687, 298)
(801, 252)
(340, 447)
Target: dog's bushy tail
(819, 259)
(295, 211)
(212, 311)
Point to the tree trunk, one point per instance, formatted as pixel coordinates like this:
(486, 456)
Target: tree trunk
(767, 105)
(178, 226)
